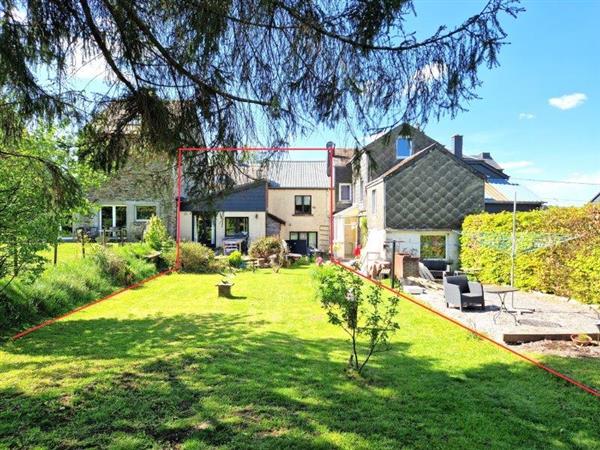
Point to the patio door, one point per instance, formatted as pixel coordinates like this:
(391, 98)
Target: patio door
(204, 229)
(113, 216)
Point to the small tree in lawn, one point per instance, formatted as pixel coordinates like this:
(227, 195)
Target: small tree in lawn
(360, 312)
(156, 234)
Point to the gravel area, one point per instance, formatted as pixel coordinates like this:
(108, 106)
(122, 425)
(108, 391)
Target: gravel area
(534, 313)
(561, 348)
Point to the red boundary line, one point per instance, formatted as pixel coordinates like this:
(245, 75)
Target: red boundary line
(180, 151)
(533, 361)
(413, 300)
(87, 305)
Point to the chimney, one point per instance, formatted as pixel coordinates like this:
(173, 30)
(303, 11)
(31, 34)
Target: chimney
(457, 141)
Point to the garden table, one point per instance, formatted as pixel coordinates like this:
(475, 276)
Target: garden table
(501, 292)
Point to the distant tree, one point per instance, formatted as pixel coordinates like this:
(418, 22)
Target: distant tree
(234, 72)
(41, 184)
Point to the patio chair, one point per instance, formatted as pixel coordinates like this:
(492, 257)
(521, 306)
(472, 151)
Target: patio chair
(459, 291)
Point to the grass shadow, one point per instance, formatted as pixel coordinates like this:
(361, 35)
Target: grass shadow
(221, 380)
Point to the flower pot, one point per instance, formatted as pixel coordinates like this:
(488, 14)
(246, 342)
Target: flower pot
(224, 289)
(581, 340)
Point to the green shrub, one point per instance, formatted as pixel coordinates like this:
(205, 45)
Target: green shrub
(70, 284)
(115, 267)
(156, 234)
(265, 247)
(67, 285)
(195, 258)
(558, 250)
(235, 259)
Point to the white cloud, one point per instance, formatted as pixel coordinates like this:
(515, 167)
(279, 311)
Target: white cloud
(568, 101)
(365, 140)
(429, 72)
(87, 66)
(19, 15)
(516, 164)
(526, 116)
(521, 167)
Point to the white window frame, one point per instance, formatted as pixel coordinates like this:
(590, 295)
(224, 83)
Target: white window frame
(349, 199)
(144, 206)
(113, 222)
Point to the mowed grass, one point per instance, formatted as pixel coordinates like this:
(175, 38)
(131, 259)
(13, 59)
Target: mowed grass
(67, 252)
(169, 365)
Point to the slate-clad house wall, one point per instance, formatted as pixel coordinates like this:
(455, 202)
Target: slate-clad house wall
(250, 197)
(382, 153)
(434, 191)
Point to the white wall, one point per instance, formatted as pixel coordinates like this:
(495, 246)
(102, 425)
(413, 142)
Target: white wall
(376, 219)
(257, 223)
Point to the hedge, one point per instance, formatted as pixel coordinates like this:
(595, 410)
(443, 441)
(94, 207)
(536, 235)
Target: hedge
(558, 250)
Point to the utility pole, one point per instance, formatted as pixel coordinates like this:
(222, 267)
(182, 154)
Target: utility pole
(513, 252)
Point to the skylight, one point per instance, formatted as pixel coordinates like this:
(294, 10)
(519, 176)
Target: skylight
(403, 147)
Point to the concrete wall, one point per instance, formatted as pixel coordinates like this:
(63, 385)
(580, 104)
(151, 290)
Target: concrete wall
(281, 204)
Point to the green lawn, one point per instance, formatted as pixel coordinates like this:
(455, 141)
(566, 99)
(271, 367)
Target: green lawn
(169, 365)
(67, 251)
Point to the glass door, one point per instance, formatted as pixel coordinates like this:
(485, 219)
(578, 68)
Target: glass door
(120, 219)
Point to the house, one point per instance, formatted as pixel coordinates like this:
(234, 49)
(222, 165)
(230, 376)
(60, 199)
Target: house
(288, 199)
(129, 197)
(412, 190)
(500, 192)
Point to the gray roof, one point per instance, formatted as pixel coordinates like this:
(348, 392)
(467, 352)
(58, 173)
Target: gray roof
(292, 174)
(500, 190)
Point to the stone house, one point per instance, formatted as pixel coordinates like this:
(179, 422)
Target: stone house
(140, 189)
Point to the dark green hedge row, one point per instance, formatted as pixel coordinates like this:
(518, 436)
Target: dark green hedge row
(558, 250)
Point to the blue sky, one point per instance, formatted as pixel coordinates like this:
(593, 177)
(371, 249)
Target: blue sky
(554, 54)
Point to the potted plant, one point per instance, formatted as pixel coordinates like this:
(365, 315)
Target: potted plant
(581, 340)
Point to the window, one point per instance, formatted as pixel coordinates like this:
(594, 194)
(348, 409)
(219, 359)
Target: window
(433, 247)
(143, 213)
(403, 147)
(345, 192)
(311, 237)
(362, 191)
(373, 201)
(302, 204)
(236, 225)
(113, 216)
